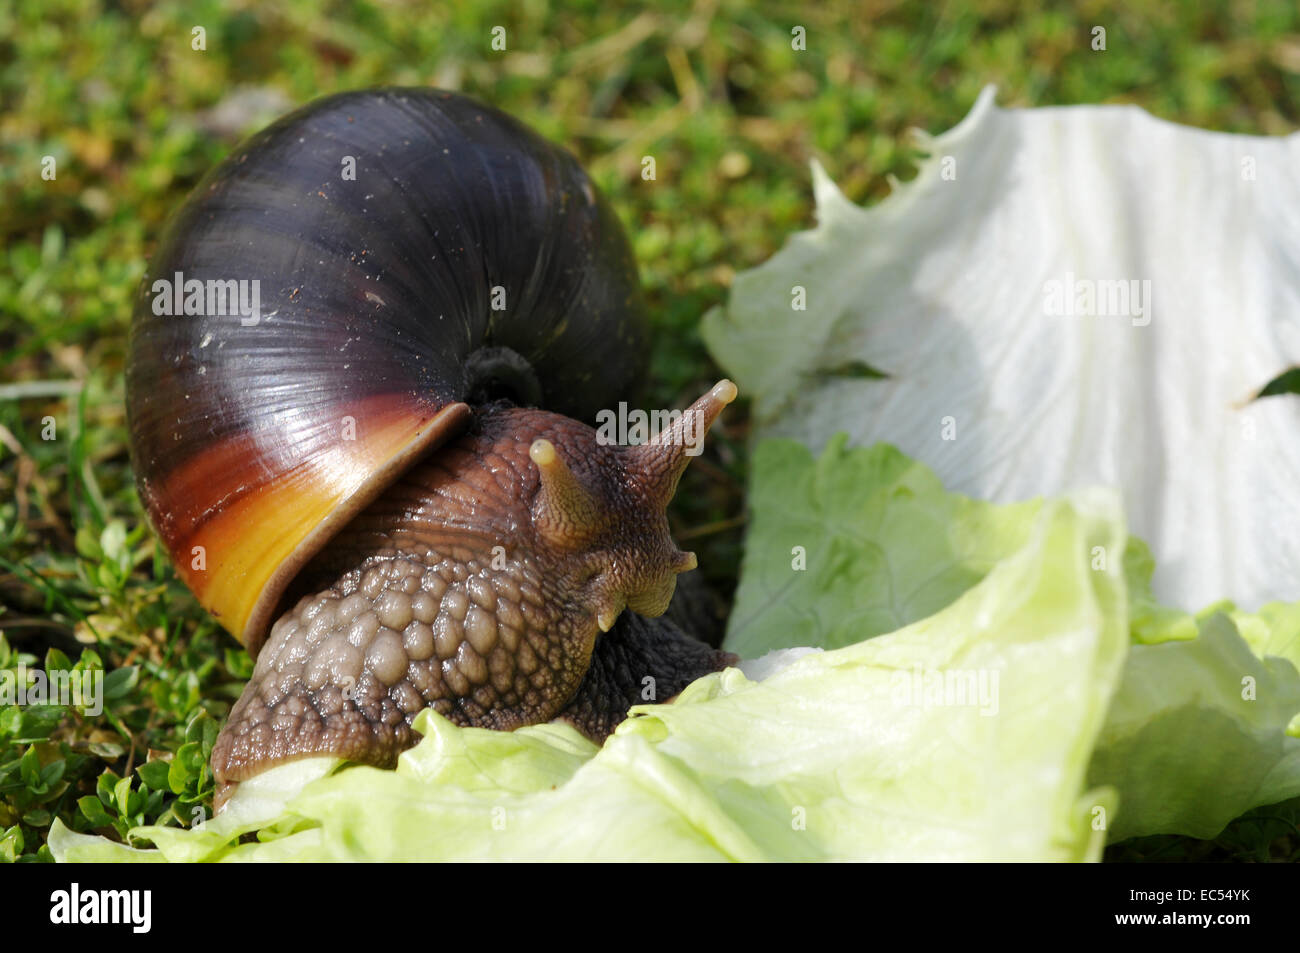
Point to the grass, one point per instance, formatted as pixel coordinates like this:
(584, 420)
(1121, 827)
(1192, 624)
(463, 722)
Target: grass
(133, 115)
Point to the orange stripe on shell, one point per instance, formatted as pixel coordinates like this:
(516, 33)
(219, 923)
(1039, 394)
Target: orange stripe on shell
(256, 538)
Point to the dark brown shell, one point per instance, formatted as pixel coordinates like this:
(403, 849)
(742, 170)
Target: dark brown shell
(254, 441)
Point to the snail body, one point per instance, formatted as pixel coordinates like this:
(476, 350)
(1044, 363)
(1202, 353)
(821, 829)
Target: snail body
(363, 460)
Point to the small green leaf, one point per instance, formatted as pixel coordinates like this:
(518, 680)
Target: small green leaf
(119, 682)
(11, 844)
(203, 729)
(238, 664)
(107, 576)
(52, 773)
(154, 774)
(56, 661)
(93, 811)
(113, 540)
(90, 661)
(154, 804)
(107, 750)
(31, 768)
(1288, 382)
(88, 545)
(182, 768)
(122, 797)
(104, 787)
(11, 720)
(191, 754)
(39, 722)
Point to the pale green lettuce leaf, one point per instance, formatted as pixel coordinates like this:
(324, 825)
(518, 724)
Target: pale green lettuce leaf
(258, 805)
(68, 846)
(862, 541)
(1272, 631)
(1150, 621)
(1195, 736)
(845, 754)
(855, 544)
(884, 544)
(945, 287)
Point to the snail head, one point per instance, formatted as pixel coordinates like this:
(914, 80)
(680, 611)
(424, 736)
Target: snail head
(604, 508)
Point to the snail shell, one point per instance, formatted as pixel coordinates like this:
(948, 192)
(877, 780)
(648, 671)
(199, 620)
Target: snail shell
(330, 388)
(411, 249)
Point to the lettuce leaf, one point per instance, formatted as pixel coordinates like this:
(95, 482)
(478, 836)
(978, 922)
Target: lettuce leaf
(1186, 744)
(1196, 734)
(1272, 631)
(945, 292)
(859, 543)
(953, 289)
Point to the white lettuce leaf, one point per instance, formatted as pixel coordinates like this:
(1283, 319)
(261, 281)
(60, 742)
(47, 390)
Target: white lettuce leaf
(947, 288)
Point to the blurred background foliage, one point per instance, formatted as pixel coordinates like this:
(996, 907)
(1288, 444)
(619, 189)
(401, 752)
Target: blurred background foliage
(714, 90)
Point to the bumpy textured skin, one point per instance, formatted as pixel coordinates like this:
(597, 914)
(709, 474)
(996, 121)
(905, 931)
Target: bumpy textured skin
(461, 590)
(639, 662)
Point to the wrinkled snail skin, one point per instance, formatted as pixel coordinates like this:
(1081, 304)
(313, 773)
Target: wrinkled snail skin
(640, 660)
(385, 456)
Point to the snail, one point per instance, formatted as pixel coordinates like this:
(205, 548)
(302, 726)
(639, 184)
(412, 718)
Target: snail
(360, 378)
